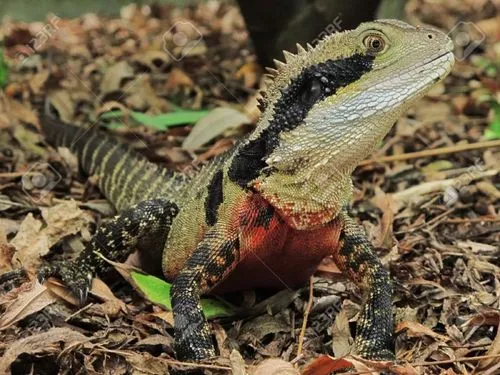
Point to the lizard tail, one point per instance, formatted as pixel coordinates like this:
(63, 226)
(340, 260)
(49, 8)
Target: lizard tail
(124, 176)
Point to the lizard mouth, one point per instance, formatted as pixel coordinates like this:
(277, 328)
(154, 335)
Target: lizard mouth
(446, 56)
(439, 57)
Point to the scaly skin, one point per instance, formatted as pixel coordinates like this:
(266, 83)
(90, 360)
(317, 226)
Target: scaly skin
(268, 211)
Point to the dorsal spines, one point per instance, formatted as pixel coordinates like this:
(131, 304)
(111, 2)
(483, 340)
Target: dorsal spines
(280, 66)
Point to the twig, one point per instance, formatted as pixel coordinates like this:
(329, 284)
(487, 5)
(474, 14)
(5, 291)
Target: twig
(432, 186)
(17, 174)
(462, 359)
(420, 364)
(433, 152)
(86, 307)
(168, 361)
(458, 220)
(306, 315)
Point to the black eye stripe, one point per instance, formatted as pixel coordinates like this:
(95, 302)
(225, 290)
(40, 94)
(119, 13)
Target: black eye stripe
(290, 111)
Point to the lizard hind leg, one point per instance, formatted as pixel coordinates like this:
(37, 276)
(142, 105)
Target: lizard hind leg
(115, 239)
(375, 326)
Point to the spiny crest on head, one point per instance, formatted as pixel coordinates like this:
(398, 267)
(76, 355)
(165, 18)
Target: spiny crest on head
(290, 58)
(332, 46)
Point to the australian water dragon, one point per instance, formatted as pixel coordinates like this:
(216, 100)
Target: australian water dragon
(268, 211)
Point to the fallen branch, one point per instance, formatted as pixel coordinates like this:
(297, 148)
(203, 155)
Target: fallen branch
(306, 315)
(414, 192)
(432, 152)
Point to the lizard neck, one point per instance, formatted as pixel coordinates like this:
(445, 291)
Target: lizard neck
(309, 176)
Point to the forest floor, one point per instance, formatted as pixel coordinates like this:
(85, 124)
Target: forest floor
(429, 199)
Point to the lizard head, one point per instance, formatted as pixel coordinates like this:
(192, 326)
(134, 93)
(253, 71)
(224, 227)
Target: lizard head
(329, 106)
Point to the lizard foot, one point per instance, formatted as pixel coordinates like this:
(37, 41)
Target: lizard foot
(76, 277)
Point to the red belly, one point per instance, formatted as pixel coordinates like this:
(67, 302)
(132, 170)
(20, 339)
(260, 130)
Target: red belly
(274, 255)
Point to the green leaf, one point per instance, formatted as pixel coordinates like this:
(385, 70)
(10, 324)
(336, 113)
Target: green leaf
(493, 131)
(157, 291)
(166, 120)
(4, 70)
(154, 289)
(162, 121)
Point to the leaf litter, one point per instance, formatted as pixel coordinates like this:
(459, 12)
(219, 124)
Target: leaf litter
(429, 200)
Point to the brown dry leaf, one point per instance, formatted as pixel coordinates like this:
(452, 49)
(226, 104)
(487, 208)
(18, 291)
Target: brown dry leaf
(101, 290)
(363, 365)
(16, 112)
(6, 254)
(219, 147)
(69, 157)
(212, 125)
(490, 27)
(63, 104)
(27, 302)
(166, 316)
(112, 105)
(237, 363)
(153, 59)
(220, 339)
(341, 335)
(154, 340)
(385, 202)
(29, 140)
(5, 204)
(490, 317)
(111, 306)
(59, 289)
(115, 76)
(489, 365)
(328, 267)
(430, 112)
(256, 329)
(7, 251)
(250, 73)
(176, 78)
(35, 239)
(37, 82)
(325, 365)
(49, 342)
(486, 187)
(145, 363)
(109, 309)
(415, 329)
(274, 366)
(144, 96)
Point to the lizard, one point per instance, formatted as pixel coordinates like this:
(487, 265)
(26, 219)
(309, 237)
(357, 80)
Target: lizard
(266, 212)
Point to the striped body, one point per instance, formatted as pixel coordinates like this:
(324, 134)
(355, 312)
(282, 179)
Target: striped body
(124, 176)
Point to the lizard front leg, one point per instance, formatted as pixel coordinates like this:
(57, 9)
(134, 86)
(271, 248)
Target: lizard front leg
(375, 326)
(115, 240)
(214, 258)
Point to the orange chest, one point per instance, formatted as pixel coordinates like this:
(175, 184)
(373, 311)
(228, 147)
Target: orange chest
(275, 255)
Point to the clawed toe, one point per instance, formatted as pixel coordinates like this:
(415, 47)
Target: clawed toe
(76, 278)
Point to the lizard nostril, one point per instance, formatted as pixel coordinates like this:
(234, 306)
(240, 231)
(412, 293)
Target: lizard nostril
(430, 36)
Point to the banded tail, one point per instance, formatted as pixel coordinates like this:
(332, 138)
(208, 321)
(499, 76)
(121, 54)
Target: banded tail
(125, 177)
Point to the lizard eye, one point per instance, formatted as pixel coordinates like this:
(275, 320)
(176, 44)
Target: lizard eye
(374, 44)
(312, 92)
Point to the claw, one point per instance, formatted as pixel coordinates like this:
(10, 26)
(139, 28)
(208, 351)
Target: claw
(75, 276)
(43, 274)
(82, 295)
